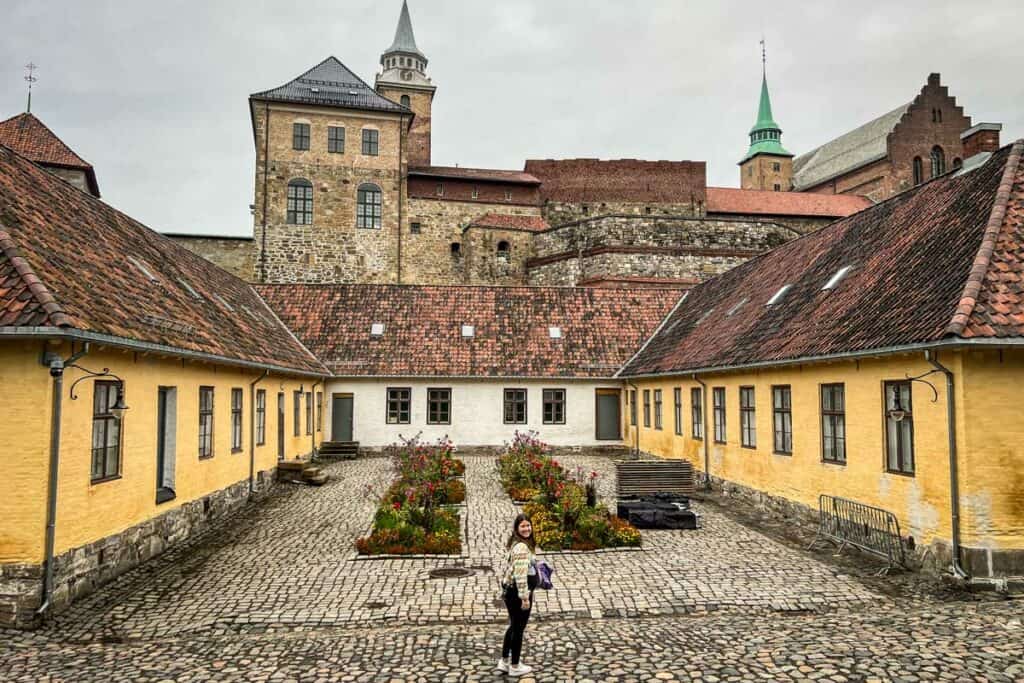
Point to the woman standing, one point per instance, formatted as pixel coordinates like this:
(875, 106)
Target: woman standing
(518, 583)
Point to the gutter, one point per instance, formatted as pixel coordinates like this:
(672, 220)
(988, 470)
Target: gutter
(312, 417)
(252, 428)
(636, 427)
(266, 171)
(704, 428)
(401, 148)
(57, 366)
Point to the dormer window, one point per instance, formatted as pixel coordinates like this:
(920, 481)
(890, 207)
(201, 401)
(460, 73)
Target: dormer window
(777, 297)
(836, 279)
(377, 329)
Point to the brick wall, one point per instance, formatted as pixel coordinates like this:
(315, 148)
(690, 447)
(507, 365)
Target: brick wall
(467, 190)
(759, 173)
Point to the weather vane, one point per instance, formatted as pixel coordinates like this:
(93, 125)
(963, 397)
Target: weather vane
(30, 67)
(764, 58)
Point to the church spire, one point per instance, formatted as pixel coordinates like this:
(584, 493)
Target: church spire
(405, 40)
(766, 135)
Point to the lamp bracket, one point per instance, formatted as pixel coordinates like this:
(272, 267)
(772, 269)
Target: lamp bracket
(89, 374)
(920, 378)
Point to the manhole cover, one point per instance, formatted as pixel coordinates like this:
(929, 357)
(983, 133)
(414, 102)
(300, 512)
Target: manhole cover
(450, 573)
(375, 605)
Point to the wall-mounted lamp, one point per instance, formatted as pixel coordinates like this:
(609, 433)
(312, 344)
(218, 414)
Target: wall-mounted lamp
(117, 410)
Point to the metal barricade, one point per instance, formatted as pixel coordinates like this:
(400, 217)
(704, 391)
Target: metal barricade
(873, 530)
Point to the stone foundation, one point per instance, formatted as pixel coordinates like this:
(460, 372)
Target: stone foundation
(82, 570)
(604, 451)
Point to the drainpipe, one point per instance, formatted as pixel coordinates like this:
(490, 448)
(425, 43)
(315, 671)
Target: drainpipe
(954, 479)
(252, 428)
(57, 365)
(704, 426)
(636, 427)
(401, 181)
(312, 430)
(266, 171)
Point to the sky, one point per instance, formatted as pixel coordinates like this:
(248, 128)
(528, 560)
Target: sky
(155, 94)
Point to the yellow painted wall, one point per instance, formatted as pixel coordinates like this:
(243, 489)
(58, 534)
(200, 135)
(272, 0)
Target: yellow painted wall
(91, 511)
(920, 502)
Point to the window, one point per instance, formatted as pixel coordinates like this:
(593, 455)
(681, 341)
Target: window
(309, 412)
(439, 190)
(205, 422)
(296, 408)
(335, 139)
(782, 420)
(439, 406)
(106, 432)
(554, 406)
(899, 428)
(778, 188)
(918, 171)
(503, 250)
(697, 412)
(515, 406)
(958, 163)
(508, 195)
(938, 161)
(236, 420)
(677, 399)
(404, 100)
(476, 192)
(833, 423)
(371, 142)
(456, 249)
(319, 411)
(399, 406)
(261, 417)
(300, 136)
(647, 407)
(414, 228)
(776, 166)
(300, 202)
(657, 408)
(369, 206)
(718, 398)
(748, 418)
(632, 407)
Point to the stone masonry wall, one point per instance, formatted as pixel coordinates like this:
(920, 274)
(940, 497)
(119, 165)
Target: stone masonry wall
(483, 265)
(82, 570)
(235, 255)
(802, 224)
(559, 213)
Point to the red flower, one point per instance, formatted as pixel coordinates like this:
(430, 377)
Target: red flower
(396, 505)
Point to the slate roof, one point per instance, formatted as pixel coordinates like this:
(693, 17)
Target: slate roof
(331, 83)
(939, 262)
(619, 180)
(761, 202)
(69, 261)
(29, 137)
(405, 40)
(422, 336)
(484, 174)
(509, 222)
(847, 152)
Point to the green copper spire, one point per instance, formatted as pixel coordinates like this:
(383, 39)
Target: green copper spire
(765, 136)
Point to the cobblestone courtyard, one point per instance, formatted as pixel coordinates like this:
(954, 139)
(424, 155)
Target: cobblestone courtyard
(275, 594)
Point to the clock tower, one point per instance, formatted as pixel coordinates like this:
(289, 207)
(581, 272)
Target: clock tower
(403, 79)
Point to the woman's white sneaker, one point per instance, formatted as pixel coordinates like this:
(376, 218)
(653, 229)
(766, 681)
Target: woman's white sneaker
(519, 670)
(503, 665)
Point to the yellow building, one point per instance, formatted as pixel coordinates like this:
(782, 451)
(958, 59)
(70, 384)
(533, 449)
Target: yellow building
(879, 359)
(144, 392)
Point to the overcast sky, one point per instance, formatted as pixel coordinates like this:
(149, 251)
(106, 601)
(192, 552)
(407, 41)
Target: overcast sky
(154, 94)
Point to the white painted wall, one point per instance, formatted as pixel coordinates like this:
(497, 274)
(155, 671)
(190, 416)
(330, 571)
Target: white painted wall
(477, 411)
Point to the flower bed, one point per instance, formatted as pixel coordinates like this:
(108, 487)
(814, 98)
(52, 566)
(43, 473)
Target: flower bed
(562, 506)
(414, 516)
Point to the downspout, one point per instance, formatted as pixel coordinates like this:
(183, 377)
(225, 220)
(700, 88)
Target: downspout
(403, 180)
(252, 428)
(57, 366)
(704, 426)
(312, 431)
(954, 478)
(636, 426)
(266, 171)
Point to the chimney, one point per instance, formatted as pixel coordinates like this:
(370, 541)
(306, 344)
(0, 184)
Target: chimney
(981, 137)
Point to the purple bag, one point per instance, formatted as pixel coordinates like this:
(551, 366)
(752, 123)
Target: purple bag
(544, 572)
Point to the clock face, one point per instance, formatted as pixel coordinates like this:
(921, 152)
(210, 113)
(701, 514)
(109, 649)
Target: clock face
(406, 75)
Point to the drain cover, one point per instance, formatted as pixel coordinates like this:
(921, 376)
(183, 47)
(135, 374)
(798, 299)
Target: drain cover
(450, 573)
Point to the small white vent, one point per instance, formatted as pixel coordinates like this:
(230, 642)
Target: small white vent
(377, 329)
(777, 297)
(468, 331)
(555, 332)
(143, 269)
(837, 278)
(314, 89)
(353, 92)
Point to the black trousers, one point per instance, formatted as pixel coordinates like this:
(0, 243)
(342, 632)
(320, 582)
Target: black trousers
(517, 618)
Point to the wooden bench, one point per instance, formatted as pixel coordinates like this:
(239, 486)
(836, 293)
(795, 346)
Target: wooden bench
(647, 477)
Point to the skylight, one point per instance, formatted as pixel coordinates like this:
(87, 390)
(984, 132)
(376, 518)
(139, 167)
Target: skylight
(837, 278)
(704, 316)
(223, 301)
(738, 306)
(143, 269)
(468, 331)
(376, 329)
(555, 332)
(778, 295)
(194, 293)
(314, 89)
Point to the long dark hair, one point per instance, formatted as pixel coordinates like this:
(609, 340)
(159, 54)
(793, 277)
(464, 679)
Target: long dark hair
(516, 538)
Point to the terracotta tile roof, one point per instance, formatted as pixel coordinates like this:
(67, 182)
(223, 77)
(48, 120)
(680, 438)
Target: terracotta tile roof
(502, 220)
(30, 138)
(760, 202)
(69, 260)
(484, 174)
(422, 334)
(619, 180)
(912, 256)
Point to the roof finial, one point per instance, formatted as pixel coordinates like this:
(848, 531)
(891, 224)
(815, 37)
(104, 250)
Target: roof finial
(764, 59)
(30, 67)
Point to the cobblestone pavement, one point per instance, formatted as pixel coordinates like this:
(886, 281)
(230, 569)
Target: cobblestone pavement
(274, 593)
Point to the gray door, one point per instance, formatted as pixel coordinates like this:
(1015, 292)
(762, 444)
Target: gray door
(608, 415)
(341, 418)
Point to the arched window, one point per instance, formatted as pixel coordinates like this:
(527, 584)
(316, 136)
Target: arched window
(938, 161)
(369, 204)
(300, 202)
(918, 171)
(958, 163)
(405, 100)
(504, 250)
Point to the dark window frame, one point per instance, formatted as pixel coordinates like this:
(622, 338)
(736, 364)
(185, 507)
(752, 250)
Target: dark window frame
(104, 423)
(782, 412)
(261, 417)
(904, 451)
(405, 101)
(309, 413)
(300, 137)
(555, 400)
(369, 206)
(439, 405)
(335, 139)
(319, 411)
(371, 142)
(718, 413)
(657, 409)
(415, 227)
(297, 413)
(748, 417)
(513, 401)
(398, 405)
(206, 426)
(917, 168)
(647, 408)
(834, 417)
(632, 408)
(299, 202)
(697, 412)
(938, 159)
(236, 419)
(677, 409)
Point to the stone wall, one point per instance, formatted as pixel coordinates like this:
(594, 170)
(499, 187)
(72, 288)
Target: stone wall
(484, 266)
(237, 255)
(801, 224)
(82, 570)
(559, 213)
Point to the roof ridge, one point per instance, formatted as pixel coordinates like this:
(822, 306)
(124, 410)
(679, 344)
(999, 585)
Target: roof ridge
(35, 285)
(983, 258)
